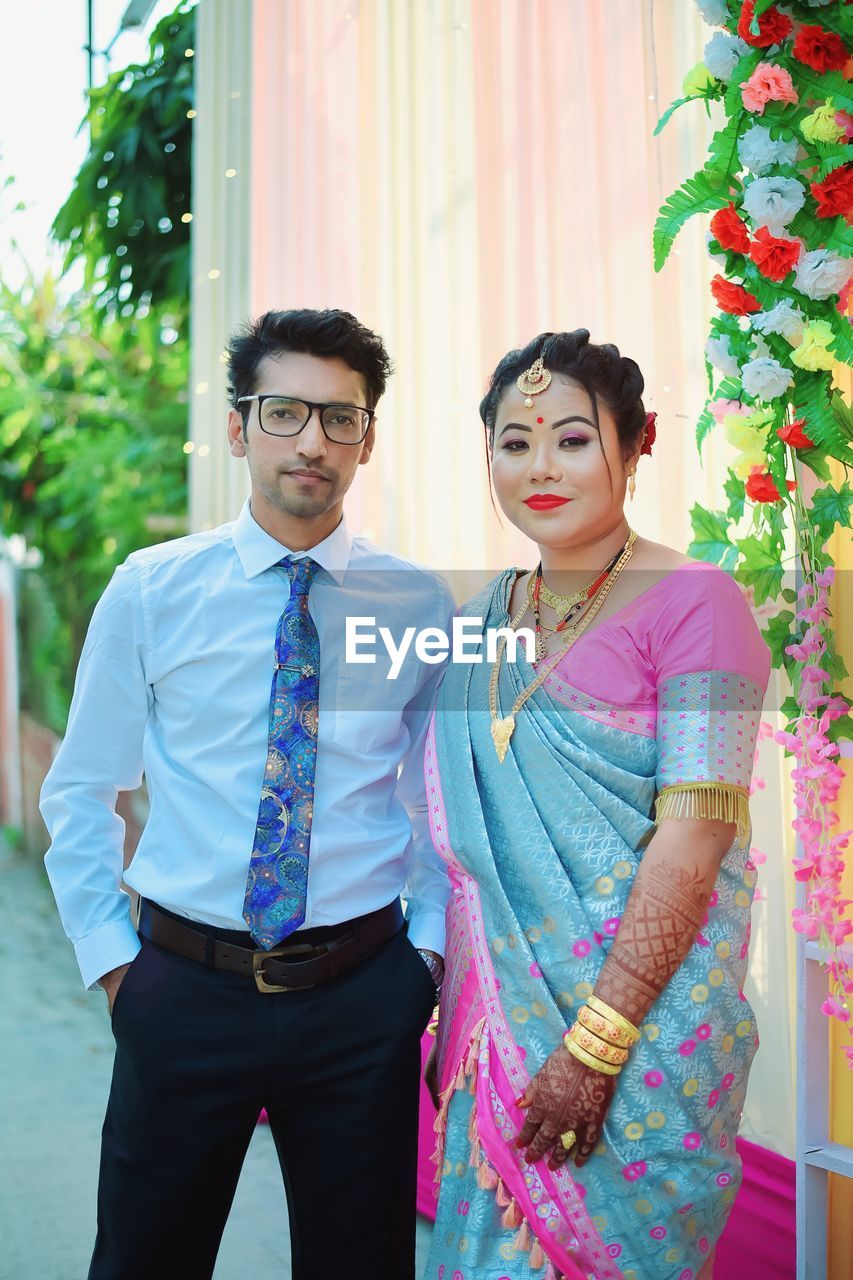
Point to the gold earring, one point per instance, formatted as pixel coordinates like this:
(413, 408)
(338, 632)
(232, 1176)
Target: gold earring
(632, 483)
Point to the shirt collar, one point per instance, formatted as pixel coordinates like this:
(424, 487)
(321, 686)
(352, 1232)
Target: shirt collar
(259, 551)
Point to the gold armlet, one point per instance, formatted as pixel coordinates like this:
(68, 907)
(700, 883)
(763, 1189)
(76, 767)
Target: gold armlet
(722, 801)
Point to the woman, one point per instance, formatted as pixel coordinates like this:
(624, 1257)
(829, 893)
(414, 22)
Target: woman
(592, 808)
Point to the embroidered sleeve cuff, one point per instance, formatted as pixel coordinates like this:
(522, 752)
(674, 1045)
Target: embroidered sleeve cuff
(106, 948)
(426, 930)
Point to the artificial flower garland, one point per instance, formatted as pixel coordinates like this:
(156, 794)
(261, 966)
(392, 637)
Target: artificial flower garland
(779, 183)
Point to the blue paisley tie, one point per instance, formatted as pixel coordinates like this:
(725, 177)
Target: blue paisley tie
(277, 886)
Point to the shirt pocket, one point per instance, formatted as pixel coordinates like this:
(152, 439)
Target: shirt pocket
(364, 710)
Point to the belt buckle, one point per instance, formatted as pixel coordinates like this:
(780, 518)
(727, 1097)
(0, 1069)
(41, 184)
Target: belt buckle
(258, 958)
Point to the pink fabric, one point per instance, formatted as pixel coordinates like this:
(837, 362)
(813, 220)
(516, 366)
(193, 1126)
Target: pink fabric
(622, 660)
(759, 1240)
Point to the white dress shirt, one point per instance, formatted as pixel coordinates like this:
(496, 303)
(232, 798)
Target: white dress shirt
(174, 681)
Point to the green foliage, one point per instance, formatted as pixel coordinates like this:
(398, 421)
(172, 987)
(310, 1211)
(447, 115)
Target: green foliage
(736, 493)
(699, 194)
(777, 634)
(812, 402)
(92, 423)
(760, 567)
(123, 219)
(711, 540)
(831, 507)
(757, 553)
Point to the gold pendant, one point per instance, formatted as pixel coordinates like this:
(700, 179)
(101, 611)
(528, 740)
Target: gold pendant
(501, 734)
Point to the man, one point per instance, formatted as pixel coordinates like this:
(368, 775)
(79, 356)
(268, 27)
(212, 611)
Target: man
(272, 967)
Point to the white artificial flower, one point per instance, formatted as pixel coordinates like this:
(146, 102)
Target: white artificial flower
(821, 273)
(718, 352)
(714, 12)
(759, 152)
(773, 202)
(784, 319)
(765, 378)
(817, 4)
(722, 54)
(760, 349)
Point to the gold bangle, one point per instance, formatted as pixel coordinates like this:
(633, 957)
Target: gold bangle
(597, 1047)
(587, 1059)
(600, 1026)
(615, 1017)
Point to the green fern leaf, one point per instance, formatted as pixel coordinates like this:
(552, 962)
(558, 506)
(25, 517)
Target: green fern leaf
(811, 397)
(830, 85)
(831, 157)
(699, 194)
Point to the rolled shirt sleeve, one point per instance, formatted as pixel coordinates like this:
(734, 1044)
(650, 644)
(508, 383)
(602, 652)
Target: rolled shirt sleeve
(101, 755)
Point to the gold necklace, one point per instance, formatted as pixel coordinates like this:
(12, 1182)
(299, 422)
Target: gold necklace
(502, 727)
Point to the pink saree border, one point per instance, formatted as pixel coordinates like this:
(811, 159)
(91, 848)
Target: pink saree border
(631, 721)
(567, 1201)
(558, 1189)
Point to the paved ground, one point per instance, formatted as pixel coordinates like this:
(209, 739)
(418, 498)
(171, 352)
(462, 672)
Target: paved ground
(56, 1058)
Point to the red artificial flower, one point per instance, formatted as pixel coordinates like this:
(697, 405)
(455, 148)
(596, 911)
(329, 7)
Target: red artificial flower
(760, 486)
(821, 50)
(733, 298)
(773, 256)
(794, 435)
(651, 434)
(774, 27)
(729, 230)
(834, 195)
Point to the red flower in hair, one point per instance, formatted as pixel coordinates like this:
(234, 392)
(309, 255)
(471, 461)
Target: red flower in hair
(774, 257)
(773, 26)
(760, 486)
(729, 230)
(650, 435)
(794, 435)
(821, 50)
(733, 298)
(834, 195)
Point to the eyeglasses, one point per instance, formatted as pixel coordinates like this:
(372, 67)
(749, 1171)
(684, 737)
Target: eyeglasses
(283, 416)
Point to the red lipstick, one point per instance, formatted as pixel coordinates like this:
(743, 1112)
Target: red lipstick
(545, 501)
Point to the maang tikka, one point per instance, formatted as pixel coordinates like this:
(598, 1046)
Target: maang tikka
(533, 382)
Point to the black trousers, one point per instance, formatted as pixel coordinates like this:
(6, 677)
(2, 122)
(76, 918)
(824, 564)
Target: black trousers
(200, 1052)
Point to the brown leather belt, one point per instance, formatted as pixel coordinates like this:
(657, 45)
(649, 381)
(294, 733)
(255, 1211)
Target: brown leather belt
(296, 965)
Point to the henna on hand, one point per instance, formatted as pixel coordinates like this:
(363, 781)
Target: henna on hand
(664, 913)
(564, 1094)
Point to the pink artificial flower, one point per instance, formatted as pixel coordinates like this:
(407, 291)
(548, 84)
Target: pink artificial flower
(768, 83)
(723, 408)
(811, 643)
(845, 121)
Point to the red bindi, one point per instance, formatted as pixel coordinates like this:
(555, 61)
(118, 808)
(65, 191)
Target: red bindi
(540, 419)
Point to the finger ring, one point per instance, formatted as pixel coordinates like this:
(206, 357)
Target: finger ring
(568, 1139)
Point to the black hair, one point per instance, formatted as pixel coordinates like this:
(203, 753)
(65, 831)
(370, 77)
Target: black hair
(601, 370)
(315, 333)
